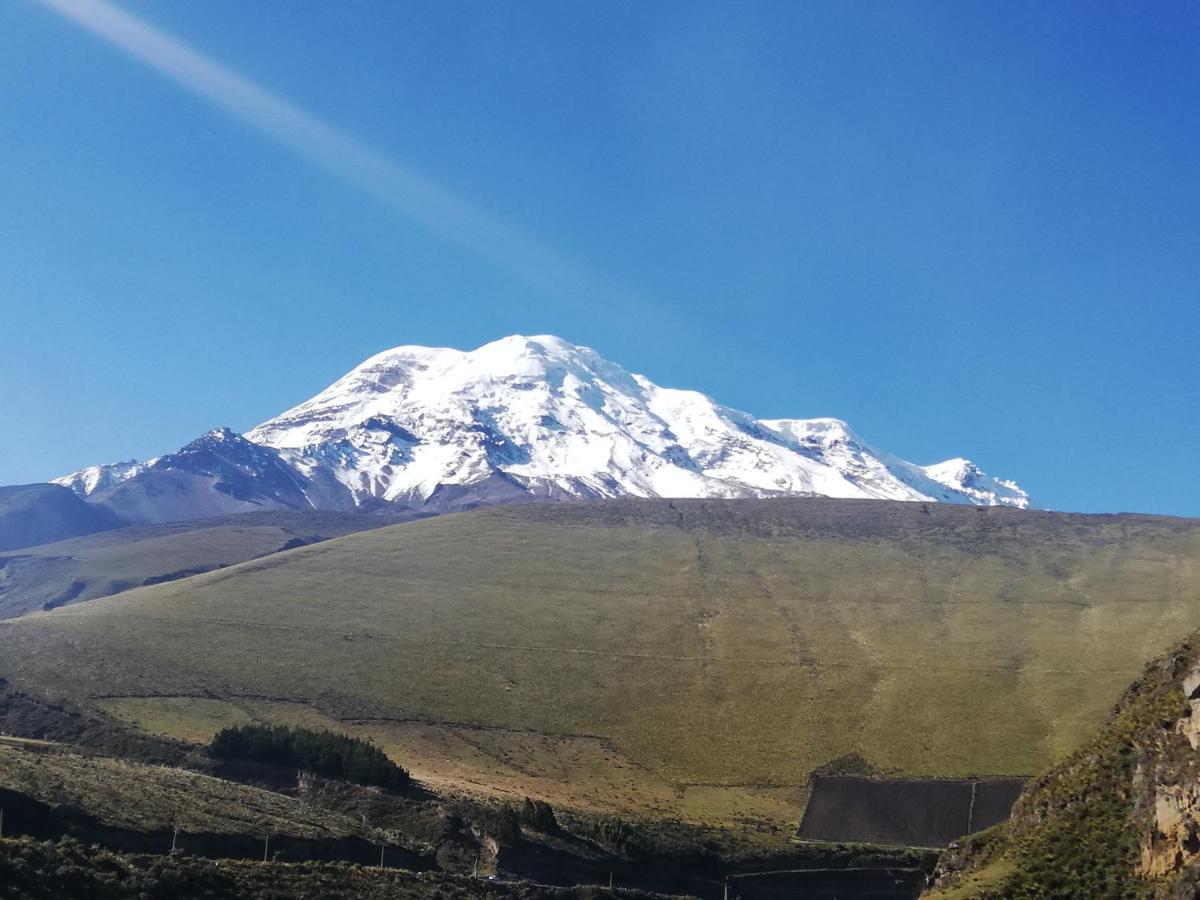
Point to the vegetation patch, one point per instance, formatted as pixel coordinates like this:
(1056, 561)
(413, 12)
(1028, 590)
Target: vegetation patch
(23, 715)
(154, 798)
(194, 719)
(49, 870)
(324, 752)
(1076, 831)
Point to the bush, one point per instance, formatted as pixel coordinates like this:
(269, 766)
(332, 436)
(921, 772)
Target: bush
(539, 814)
(324, 752)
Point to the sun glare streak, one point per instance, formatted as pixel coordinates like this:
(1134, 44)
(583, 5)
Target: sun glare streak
(338, 153)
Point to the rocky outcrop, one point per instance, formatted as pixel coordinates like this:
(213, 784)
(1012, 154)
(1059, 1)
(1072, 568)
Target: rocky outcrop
(1173, 840)
(1119, 818)
(1166, 783)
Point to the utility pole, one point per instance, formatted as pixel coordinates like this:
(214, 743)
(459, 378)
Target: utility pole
(266, 846)
(726, 889)
(381, 847)
(174, 838)
(610, 882)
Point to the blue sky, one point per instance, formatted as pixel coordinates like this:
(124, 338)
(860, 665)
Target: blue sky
(967, 228)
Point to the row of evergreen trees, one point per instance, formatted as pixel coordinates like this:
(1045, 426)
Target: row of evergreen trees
(324, 752)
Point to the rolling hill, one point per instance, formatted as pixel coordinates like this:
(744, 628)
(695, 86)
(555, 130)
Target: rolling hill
(40, 513)
(698, 659)
(84, 568)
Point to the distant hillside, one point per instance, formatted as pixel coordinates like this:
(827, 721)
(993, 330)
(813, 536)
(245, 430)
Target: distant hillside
(52, 575)
(1118, 818)
(697, 659)
(40, 513)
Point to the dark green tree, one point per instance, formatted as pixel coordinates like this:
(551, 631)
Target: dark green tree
(324, 752)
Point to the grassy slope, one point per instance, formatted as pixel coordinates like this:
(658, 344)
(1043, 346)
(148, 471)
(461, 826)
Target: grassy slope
(46, 871)
(1075, 832)
(98, 565)
(142, 797)
(690, 647)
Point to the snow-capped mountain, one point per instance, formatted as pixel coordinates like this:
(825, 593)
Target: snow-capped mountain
(519, 418)
(88, 481)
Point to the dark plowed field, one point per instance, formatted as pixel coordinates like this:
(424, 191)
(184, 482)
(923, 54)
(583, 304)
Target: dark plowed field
(925, 813)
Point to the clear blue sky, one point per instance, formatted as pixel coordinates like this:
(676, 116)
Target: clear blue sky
(967, 228)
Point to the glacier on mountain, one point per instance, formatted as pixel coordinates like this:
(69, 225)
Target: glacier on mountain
(529, 418)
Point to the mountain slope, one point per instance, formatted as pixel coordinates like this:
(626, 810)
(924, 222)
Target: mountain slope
(219, 473)
(560, 419)
(98, 565)
(690, 658)
(39, 513)
(518, 419)
(1119, 818)
(125, 794)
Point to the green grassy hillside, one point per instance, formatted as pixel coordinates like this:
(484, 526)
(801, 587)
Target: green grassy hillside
(688, 658)
(102, 564)
(1117, 819)
(126, 794)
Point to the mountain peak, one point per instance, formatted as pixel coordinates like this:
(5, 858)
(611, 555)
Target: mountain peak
(536, 416)
(965, 477)
(222, 435)
(559, 419)
(537, 343)
(89, 481)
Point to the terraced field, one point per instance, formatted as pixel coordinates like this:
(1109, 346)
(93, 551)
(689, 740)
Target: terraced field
(672, 658)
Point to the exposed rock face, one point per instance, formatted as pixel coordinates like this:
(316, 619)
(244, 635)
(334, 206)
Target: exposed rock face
(1173, 841)
(1167, 786)
(1189, 724)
